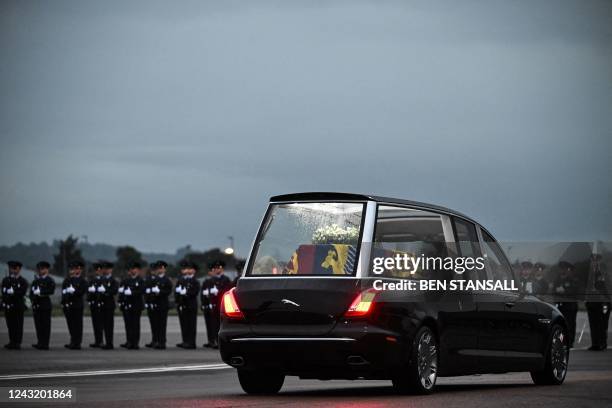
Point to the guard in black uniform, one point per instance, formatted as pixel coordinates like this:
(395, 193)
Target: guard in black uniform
(526, 277)
(149, 283)
(599, 312)
(14, 289)
(43, 286)
(131, 290)
(541, 285)
(73, 289)
(213, 288)
(186, 298)
(93, 298)
(567, 288)
(107, 289)
(159, 290)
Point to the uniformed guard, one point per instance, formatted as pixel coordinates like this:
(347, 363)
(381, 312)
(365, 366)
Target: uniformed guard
(213, 288)
(106, 297)
(14, 289)
(43, 286)
(526, 277)
(186, 298)
(149, 283)
(540, 285)
(566, 289)
(206, 307)
(599, 311)
(159, 291)
(93, 298)
(73, 289)
(131, 290)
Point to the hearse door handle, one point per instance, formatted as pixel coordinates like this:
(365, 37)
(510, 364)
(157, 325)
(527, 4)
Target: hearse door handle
(510, 304)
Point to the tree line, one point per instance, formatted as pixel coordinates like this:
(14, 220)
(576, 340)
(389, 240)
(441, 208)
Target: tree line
(62, 252)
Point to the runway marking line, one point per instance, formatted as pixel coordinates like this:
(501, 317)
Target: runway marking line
(163, 369)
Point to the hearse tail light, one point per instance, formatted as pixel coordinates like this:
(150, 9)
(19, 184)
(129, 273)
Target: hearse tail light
(362, 305)
(229, 306)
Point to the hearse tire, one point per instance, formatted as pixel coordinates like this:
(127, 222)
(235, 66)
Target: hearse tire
(419, 377)
(259, 382)
(557, 357)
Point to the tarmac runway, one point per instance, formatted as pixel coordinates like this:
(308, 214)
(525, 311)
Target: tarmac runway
(186, 378)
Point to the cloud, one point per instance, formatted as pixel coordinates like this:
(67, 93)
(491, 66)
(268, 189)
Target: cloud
(164, 125)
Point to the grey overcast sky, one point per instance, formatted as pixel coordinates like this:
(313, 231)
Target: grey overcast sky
(160, 124)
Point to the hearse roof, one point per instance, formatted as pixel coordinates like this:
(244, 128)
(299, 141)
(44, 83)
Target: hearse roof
(330, 196)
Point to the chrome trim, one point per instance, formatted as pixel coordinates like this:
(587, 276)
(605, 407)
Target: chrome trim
(483, 252)
(289, 302)
(447, 228)
(367, 236)
(449, 236)
(265, 339)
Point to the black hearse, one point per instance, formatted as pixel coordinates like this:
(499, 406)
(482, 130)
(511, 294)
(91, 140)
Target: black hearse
(306, 304)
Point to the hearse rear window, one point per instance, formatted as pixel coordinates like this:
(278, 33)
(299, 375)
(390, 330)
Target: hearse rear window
(309, 239)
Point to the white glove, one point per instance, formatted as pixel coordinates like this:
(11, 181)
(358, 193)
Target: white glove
(70, 289)
(10, 291)
(36, 291)
(179, 289)
(101, 289)
(184, 291)
(121, 289)
(127, 292)
(206, 292)
(214, 290)
(148, 290)
(155, 289)
(64, 291)
(91, 289)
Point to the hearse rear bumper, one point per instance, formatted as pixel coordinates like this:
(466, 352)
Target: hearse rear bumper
(370, 352)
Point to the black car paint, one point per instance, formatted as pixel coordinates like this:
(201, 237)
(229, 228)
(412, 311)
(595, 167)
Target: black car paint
(479, 332)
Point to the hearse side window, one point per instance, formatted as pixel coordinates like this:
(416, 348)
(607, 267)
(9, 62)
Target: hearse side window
(498, 267)
(309, 239)
(467, 241)
(408, 231)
